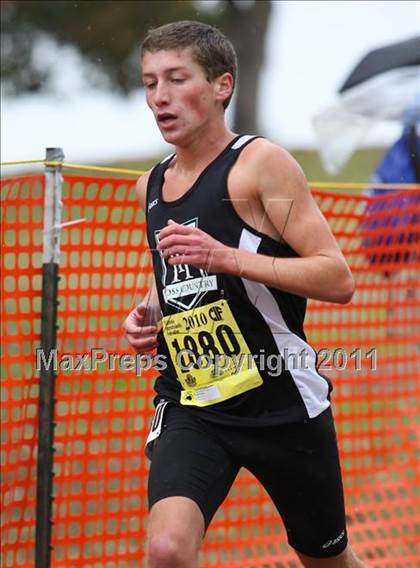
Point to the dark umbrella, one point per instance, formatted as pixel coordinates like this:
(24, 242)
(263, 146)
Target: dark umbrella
(401, 54)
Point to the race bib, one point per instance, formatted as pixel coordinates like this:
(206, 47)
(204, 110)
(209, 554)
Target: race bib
(210, 355)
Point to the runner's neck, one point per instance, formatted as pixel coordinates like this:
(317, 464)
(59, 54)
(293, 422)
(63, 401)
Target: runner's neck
(201, 152)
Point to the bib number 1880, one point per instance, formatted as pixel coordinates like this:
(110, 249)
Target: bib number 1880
(221, 342)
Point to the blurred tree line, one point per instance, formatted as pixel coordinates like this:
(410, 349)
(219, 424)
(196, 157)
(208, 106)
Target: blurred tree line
(108, 33)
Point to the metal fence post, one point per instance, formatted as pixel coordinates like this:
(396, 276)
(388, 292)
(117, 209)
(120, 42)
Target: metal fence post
(50, 265)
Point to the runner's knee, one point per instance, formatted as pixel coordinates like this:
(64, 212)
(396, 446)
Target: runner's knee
(171, 551)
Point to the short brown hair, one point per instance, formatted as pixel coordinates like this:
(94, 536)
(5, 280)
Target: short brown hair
(211, 49)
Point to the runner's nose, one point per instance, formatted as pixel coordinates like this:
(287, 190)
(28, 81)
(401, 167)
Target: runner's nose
(161, 94)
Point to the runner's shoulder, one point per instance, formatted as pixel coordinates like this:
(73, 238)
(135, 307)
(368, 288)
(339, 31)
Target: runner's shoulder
(141, 187)
(262, 154)
(265, 164)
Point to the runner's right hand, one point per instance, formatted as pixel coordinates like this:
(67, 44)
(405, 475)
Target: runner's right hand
(137, 329)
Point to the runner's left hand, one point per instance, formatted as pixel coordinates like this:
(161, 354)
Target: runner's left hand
(179, 244)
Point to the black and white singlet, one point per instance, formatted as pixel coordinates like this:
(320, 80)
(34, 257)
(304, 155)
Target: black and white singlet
(270, 320)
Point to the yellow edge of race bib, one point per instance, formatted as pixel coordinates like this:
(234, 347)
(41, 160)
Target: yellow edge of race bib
(223, 389)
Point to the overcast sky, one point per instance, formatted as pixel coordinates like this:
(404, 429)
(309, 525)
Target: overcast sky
(311, 47)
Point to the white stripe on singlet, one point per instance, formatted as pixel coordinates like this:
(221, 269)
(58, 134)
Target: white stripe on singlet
(313, 387)
(241, 141)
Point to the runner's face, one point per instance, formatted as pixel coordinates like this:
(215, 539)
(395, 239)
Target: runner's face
(177, 91)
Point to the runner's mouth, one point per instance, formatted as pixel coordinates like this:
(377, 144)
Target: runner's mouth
(166, 118)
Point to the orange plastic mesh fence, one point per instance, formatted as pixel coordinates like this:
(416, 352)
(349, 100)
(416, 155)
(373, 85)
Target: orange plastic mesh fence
(370, 348)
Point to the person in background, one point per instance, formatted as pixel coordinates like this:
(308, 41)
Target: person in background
(393, 208)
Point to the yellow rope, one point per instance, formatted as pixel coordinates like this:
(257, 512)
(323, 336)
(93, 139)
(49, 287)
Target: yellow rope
(75, 166)
(17, 162)
(313, 184)
(350, 185)
(102, 169)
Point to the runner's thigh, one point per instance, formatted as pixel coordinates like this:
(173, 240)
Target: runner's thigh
(299, 467)
(188, 461)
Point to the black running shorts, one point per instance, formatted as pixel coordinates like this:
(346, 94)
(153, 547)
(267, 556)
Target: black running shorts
(296, 463)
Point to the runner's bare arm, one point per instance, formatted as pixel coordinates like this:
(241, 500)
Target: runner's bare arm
(320, 271)
(151, 299)
(140, 326)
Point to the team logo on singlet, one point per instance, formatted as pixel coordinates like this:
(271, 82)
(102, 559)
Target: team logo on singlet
(184, 285)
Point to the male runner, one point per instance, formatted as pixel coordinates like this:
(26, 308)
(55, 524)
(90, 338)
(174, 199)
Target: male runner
(238, 244)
